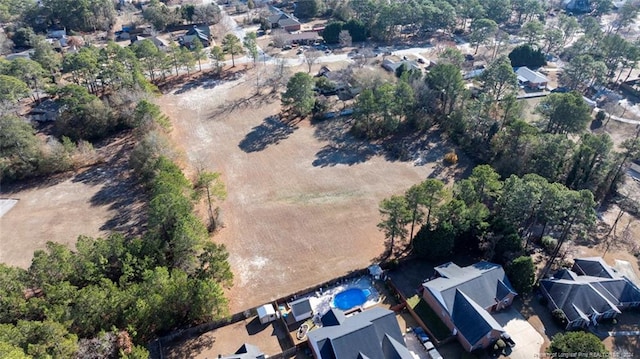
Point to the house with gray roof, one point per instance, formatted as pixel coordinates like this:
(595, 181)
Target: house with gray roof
(200, 33)
(246, 351)
(464, 297)
(283, 20)
(372, 334)
(531, 79)
(301, 309)
(590, 292)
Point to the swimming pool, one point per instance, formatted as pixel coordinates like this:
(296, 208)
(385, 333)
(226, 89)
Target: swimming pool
(350, 298)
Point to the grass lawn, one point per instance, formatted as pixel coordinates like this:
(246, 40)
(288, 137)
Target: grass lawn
(429, 317)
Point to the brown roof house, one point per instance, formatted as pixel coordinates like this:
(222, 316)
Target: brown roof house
(464, 297)
(591, 291)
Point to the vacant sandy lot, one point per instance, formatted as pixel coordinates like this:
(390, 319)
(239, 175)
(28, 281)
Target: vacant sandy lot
(303, 199)
(90, 202)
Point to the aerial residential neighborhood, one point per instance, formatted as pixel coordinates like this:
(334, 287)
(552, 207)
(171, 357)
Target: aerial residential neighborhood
(326, 179)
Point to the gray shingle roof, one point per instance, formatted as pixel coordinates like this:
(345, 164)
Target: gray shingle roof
(246, 351)
(483, 282)
(300, 306)
(372, 334)
(471, 320)
(620, 291)
(577, 299)
(525, 74)
(593, 266)
(601, 289)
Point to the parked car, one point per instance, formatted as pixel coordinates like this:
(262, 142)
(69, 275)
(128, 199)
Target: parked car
(329, 115)
(428, 345)
(422, 336)
(420, 60)
(348, 112)
(507, 339)
(434, 354)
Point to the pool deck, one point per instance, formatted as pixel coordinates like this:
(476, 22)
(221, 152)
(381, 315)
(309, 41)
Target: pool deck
(322, 301)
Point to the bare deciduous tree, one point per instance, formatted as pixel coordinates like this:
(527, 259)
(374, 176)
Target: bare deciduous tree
(345, 38)
(311, 57)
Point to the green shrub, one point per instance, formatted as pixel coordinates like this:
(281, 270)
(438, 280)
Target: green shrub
(549, 243)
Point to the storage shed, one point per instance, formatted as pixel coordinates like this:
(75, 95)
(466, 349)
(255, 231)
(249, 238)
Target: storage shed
(267, 313)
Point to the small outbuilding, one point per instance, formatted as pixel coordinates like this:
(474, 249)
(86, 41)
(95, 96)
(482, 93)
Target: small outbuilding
(267, 313)
(301, 309)
(375, 271)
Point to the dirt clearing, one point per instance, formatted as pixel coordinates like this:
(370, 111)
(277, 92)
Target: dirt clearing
(303, 200)
(91, 202)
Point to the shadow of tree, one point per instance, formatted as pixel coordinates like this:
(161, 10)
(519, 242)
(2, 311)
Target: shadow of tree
(205, 79)
(270, 132)
(119, 191)
(256, 100)
(190, 348)
(421, 148)
(343, 147)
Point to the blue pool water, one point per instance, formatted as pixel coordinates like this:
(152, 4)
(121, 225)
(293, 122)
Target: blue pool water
(350, 298)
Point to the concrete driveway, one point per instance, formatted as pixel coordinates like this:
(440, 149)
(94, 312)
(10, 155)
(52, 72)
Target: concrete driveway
(528, 340)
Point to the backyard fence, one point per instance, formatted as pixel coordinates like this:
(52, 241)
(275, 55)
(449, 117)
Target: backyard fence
(413, 313)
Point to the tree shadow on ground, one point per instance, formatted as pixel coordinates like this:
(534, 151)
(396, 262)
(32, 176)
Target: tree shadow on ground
(190, 348)
(270, 132)
(120, 192)
(343, 148)
(206, 79)
(256, 100)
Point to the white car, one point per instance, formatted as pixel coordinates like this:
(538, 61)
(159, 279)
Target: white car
(434, 354)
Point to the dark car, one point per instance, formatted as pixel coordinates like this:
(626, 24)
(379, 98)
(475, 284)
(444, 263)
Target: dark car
(507, 339)
(419, 332)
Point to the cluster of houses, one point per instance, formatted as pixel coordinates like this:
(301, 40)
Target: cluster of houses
(195, 32)
(465, 298)
(527, 78)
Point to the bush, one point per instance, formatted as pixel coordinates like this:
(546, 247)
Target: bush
(549, 243)
(451, 158)
(559, 317)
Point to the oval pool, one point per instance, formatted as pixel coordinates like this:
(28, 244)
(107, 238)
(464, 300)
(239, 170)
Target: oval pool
(350, 298)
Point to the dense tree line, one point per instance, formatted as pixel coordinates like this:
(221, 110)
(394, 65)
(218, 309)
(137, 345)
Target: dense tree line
(119, 292)
(485, 216)
(601, 55)
(489, 126)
